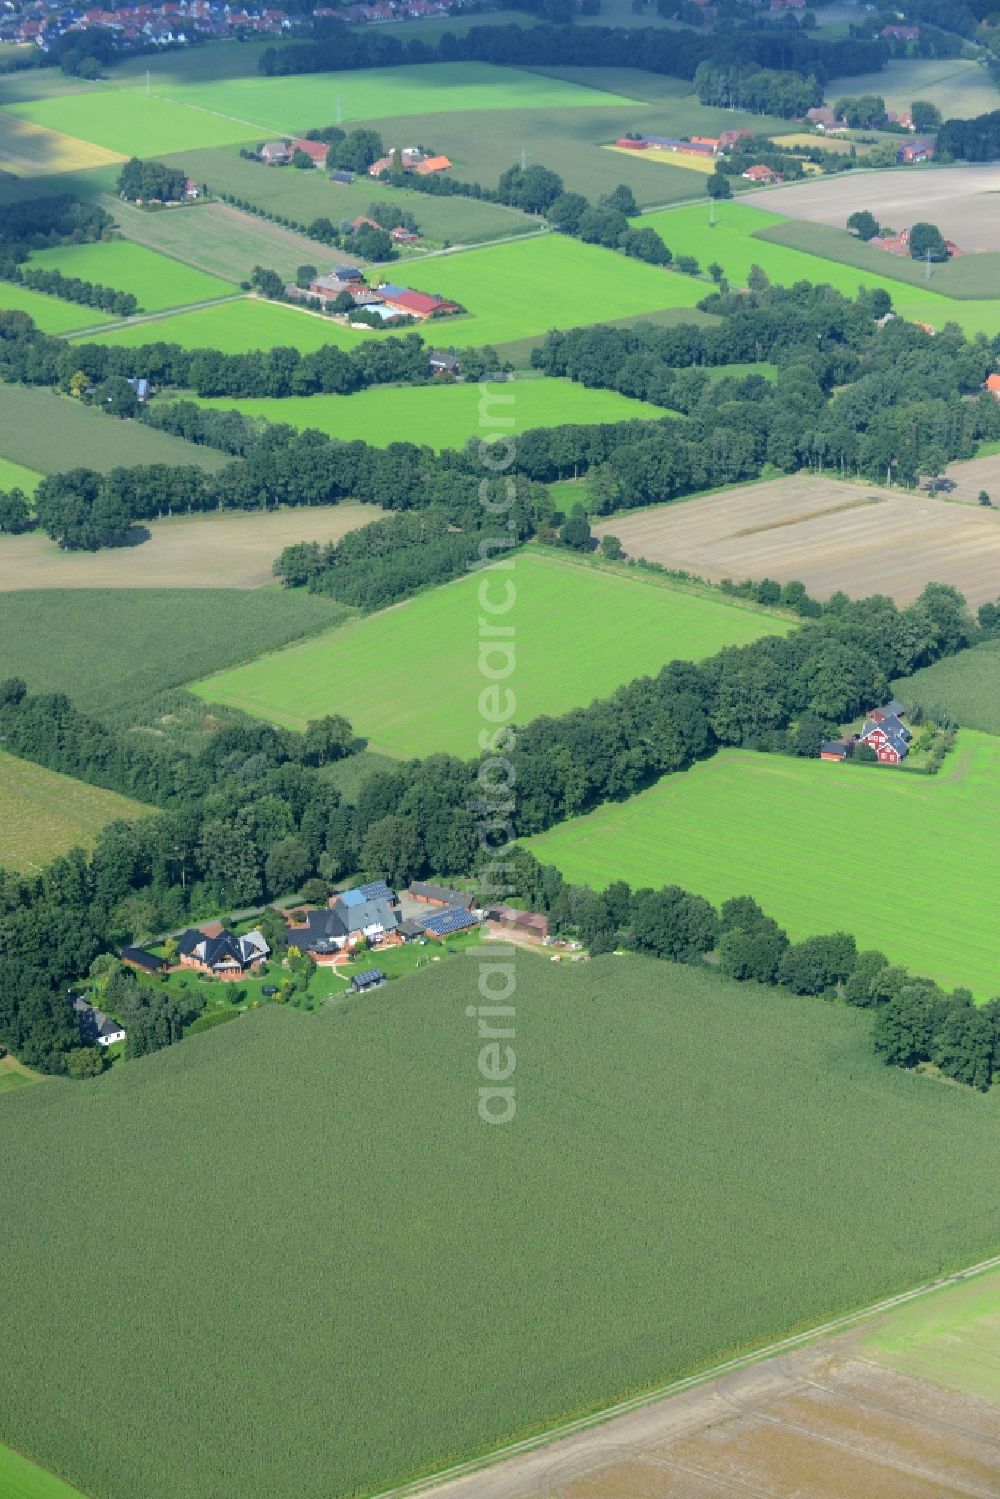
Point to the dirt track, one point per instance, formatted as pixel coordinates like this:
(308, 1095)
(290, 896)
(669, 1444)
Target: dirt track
(829, 535)
(964, 201)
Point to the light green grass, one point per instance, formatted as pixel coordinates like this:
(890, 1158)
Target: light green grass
(235, 328)
(408, 677)
(43, 814)
(445, 416)
(51, 314)
(148, 126)
(732, 244)
(803, 837)
(21, 1479)
(157, 281)
(43, 430)
(959, 87)
(694, 1167)
(966, 685)
(951, 1338)
(16, 476)
(970, 276)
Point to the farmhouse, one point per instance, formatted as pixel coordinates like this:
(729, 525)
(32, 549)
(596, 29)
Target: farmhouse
(993, 385)
(761, 173)
(95, 1026)
(824, 118)
(401, 236)
(921, 148)
(217, 951)
(366, 915)
(275, 153)
(885, 733)
(430, 165)
(317, 151)
(361, 222)
(439, 362)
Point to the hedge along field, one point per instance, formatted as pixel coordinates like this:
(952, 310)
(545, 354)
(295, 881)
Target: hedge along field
(235, 328)
(52, 314)
(16, 476)
(43, 814)
(967, 685)
(41, 429)
(907, 863)
(581, 631)
(323, 1267)
(732, 243)
(108, 648)
(155, 280)
(444, 416)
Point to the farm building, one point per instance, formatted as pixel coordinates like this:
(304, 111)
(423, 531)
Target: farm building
(885, 733)
(317, 151)
(372, 978)
(401, 236)
(221, 953)
(440, 362)
(921, 148)
(146, 962)
(342, 179)
(760, 173)
(447, 923)
(440, 895)
(627, 143)
(993, 385)
(361, 222)
(140, 389)
(824, 118)
(895, 33)
(275, 153)
(418, 304)
(430, 165)
(96, 1028)
(507, 921)
(836, 749)
(354, 917)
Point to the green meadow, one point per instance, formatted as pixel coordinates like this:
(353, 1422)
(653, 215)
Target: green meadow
(734, 245)
(313, 1230)
(907, 863)
(41, 429)
(150, 125)
(20, 1479)
(43, 814)
(580, 632)
(157, 281)
(16, 476)
(51, 314)
(235, 328)
(445, 416)
(951, 1338)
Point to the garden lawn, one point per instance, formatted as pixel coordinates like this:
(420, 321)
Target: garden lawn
(41, 429)
(313, 1227)
(108, 649)
(514, 290)
(733, 245)
(43, 814)
(966, 685)
(155, 280)
(580, 632)
(235, 328)
(799, 836)
(444, 416)
(51, 314)
(16, 476)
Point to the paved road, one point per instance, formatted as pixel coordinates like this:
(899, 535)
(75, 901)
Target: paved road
(630, 1424)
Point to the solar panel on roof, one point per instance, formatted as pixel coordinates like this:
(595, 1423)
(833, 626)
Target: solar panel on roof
(455, 920)
(377, 890)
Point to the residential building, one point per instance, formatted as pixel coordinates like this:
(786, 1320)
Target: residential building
(368, 914)
(921, 148)
(96, 1028)
(221, 953)
(761, 174)
(440, 362)
(885, 733)
(275, 153)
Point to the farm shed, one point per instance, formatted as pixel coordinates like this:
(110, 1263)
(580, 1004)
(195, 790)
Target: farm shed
(139, 957)
(342, 179)
(835, 749)
(372, 978)
(447, 923)
(440, 895)
(505, 921)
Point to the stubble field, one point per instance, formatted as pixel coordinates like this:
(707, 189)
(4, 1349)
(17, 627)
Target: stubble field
(43, 814)
(580, 632)
(32, 151)
(798, 835)
(642, 1189)
(825, 533)
(445, 416)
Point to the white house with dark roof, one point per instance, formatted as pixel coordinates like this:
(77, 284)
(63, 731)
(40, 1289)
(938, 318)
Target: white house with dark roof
(96, 1028)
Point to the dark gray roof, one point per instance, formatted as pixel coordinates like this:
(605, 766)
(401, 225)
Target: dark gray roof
(414, 927)
(323, 927)
(347, 273)
(359, 914)
(94, 1024)
(142, 959)
(830, 746)
(368, 979)
(893, 707)
(443, 361)
(421, 889)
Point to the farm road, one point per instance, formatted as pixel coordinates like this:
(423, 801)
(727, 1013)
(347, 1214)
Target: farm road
(641, 1430)
(156, 317)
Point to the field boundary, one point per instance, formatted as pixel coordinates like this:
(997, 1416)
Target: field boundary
(438, 1481)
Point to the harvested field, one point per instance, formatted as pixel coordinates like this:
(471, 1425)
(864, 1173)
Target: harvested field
(826, 533)
(43, 814)
(49, 432)
(232, 549)
(974, 277)
(964, 201)
(666, 158)
(975, 474)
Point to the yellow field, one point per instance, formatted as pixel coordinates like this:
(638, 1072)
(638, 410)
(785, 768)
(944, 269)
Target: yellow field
(30, 150)
(703, 164)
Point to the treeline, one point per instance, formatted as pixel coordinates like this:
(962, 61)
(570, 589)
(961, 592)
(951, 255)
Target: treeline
(760, 90)
(675, 53)
(248, 817)
(43, 222)
(971, 140)
(151, 181)
(915, 1020)
(71, 288)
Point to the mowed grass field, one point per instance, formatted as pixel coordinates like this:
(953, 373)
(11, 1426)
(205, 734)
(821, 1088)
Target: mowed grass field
(799, 835)
(109, 648)
(228, 111)
(43, 814)
(445, 416)
(734, 245)
(16, 476)
(580, 632)
(51, 314)
(43, 430)
(157, 281)
(951, 1338)
(644, 1190)
(967, 685)
(31, 151)
(235, 328)
(970, 276)
(21, 1479)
